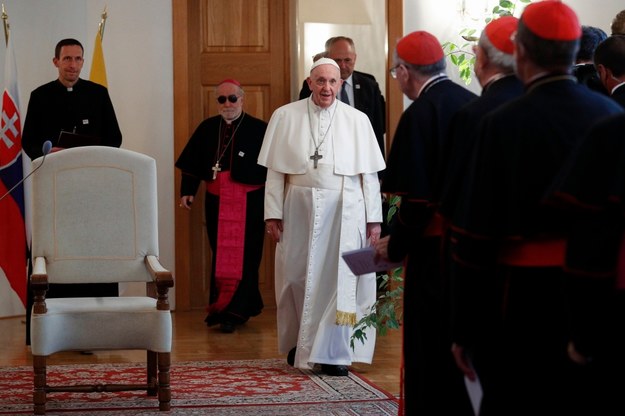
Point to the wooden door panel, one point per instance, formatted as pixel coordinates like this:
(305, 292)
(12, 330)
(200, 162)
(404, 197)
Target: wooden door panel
(235, 25)
(213, 40)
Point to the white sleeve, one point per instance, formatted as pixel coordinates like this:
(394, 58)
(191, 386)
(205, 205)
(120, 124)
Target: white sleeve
(274, 194)
(373, 197)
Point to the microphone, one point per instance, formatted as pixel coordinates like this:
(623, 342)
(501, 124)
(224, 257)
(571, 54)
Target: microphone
(47, 146)
(45, 149)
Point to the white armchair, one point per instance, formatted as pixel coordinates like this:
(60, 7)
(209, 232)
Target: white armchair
(95, 221)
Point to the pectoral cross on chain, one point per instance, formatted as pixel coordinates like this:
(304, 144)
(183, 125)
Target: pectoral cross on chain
(316, 158)
(216, 169)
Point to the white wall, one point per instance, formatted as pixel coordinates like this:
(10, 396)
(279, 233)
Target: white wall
(138, 55)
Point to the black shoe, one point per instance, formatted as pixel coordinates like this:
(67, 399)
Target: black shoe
(226, 327)
(290, 358)
(335, 370)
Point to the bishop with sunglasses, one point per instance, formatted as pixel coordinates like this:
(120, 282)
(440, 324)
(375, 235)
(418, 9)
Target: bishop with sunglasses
(222, 153)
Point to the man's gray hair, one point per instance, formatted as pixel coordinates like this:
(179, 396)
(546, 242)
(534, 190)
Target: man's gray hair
(423, 70)
(498, 58)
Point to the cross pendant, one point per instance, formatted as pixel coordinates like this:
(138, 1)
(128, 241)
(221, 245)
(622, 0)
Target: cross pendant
(316, 158)
(216, 169)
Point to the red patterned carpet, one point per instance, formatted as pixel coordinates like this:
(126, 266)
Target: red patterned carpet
(251, 387)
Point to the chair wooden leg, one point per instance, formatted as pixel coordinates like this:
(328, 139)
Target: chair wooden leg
(151, 366)
(164, 390)
(39, 391)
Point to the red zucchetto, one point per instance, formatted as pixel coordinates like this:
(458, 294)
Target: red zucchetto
(420, 48)
(230, 81)
(552, 20)
(499, 33)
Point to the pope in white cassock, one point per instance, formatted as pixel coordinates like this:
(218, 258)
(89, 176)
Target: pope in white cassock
(322, 198)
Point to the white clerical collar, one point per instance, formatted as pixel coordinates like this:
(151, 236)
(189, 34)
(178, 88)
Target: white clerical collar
(494, 78)
(535, 77)
(616, 87)
(435, 79)
(233, 120)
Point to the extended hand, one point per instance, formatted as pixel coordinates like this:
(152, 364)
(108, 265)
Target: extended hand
(373, 232)
(381, 248)
(186, 201)
(273, 227)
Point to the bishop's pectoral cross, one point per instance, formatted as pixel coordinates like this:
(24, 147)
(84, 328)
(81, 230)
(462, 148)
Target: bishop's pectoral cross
(216, 169)
(316, 158)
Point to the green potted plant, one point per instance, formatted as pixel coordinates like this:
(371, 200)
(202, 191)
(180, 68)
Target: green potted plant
(462, 55)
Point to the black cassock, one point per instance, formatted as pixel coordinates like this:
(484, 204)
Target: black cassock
(463, 133)
(433, 385)
(592, 186)
(512, 316)
(237, 151)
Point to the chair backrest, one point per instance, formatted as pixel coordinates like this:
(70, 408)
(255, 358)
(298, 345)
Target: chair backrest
(95, 214)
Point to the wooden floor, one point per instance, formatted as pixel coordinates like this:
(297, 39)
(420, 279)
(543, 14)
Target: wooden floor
(194, 341)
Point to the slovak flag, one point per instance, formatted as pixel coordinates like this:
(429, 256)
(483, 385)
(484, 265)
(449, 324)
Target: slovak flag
(13, 245)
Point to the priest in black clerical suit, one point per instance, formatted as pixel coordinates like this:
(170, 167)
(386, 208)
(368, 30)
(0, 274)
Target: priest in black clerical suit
(70, 104)
(223, 152)
(432, 384)
(494, 69)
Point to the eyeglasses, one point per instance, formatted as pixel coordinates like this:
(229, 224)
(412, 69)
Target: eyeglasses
(232, 98)
(393, 71)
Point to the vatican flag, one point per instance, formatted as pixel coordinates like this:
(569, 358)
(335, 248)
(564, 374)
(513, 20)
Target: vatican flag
(98, 70)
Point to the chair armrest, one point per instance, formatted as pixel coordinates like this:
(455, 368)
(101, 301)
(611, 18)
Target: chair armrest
(160, 275)
(40, 267)
(163, 280)
(39, 285)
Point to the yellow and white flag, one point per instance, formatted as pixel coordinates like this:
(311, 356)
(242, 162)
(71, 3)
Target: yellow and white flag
(98, 69)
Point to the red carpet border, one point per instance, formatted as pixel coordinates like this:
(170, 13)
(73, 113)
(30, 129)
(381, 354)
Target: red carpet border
(249, 387)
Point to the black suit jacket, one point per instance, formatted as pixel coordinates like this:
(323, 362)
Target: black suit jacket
(619, 95)
(367, 98)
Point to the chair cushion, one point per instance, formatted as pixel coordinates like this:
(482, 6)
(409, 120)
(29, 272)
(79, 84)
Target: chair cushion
(101, 323)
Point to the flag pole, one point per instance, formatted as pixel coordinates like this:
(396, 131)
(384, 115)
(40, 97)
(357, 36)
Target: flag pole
(5, 22)
(102, 23)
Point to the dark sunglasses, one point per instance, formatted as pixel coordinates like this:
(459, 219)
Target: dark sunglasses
(232, 98)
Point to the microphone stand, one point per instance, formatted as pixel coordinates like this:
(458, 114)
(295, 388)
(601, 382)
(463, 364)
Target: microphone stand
(47, 146)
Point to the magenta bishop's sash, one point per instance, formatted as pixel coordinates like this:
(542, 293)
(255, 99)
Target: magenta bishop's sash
(230, 237)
